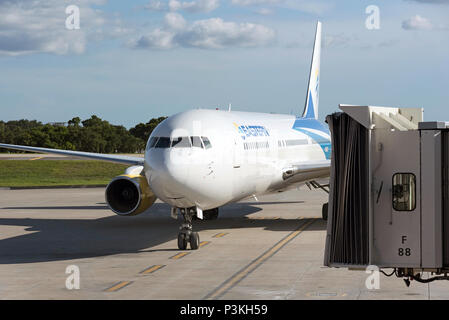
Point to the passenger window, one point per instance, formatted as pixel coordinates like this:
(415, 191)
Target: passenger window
(196, 142)
(181, 142)
(404, 192)
(163, 143)
(206, 142)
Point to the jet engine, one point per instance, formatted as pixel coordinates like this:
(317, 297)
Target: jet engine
(129, 194)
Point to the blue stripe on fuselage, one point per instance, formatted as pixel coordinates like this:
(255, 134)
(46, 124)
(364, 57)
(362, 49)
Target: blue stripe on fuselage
(310, 124)
(304, 123)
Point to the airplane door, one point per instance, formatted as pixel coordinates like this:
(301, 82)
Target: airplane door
(237, 158)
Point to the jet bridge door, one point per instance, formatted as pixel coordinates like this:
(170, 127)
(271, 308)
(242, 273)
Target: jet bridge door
(396, 189)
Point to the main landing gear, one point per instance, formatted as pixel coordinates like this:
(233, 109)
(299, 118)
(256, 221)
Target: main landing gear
(186, 234)
(325, 187)
(324, 211)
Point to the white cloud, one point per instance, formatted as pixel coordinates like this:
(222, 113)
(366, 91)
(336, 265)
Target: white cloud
(39, 26)
(417, 23)
(216, 33)
(189, 6)
(336, 40)
(175, 21)
(432, 1)
(211, 33)
(264, 11)
(314, 7)
(156, 5)
(157, 39)
(255, 2)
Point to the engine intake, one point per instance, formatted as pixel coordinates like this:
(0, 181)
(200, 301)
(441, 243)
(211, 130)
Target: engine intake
(129, 195)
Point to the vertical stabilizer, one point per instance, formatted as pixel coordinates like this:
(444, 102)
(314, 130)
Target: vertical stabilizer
(313, 89)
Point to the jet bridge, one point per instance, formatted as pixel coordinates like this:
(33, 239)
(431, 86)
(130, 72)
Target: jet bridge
(389, 195)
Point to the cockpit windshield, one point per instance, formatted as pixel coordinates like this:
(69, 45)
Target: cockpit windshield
(162, 143)
(179, 142)
(206, 142)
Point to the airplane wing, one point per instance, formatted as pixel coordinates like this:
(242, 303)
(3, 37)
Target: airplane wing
(320, 168)
(79, 154)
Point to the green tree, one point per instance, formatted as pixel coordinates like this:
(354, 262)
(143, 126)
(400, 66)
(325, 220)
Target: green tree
(91, 135)
(75, 122)
(144, 130)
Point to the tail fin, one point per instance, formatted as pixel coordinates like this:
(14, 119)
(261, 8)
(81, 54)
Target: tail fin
(313, 89)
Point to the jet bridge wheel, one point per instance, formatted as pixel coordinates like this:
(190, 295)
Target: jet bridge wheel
(324, 211)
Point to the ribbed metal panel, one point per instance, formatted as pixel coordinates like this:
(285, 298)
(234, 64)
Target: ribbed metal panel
(348, 234)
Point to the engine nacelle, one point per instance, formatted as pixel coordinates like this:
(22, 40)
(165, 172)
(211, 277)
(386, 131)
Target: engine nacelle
(129, 195)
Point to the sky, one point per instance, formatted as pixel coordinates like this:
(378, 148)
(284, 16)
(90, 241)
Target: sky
(130, 61)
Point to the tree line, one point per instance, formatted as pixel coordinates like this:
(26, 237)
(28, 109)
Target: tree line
(90, 135)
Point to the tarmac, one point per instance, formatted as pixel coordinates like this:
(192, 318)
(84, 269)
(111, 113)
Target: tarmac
(272, 248)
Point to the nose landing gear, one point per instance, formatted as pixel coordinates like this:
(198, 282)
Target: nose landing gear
(186, 234)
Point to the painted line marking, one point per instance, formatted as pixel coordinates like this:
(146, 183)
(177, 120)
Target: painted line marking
(179, 255)
(326, 294)
(118, 286)
(37, 158)
(204, 243)
(219, 235)
(240, 275)
(152, 269)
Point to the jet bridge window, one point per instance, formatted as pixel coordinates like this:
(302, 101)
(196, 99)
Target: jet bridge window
(404, 192)
(181, 142)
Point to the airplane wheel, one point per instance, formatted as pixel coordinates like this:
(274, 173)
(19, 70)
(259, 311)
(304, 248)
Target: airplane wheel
(182, 242)
(324, 211)
(194, 240)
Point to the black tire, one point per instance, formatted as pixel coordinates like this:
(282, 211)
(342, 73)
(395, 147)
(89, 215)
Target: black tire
(194, 241)
(324, 211)
(182, 242)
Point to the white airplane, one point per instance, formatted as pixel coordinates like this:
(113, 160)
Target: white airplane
(199, 160)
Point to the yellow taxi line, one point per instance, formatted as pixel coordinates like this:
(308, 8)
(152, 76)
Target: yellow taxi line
(219, 235)
(204, 243)
(179, 255)
(118, 286)
(152, 269)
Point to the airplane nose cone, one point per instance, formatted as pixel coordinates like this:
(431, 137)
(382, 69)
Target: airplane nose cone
(169, 177)
(185, 179)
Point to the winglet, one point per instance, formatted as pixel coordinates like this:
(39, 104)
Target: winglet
(313, 89)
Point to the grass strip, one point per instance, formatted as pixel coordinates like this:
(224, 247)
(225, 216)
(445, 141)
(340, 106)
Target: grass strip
(23, 173)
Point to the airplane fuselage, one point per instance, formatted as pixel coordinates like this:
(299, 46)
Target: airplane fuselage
(207, 158)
